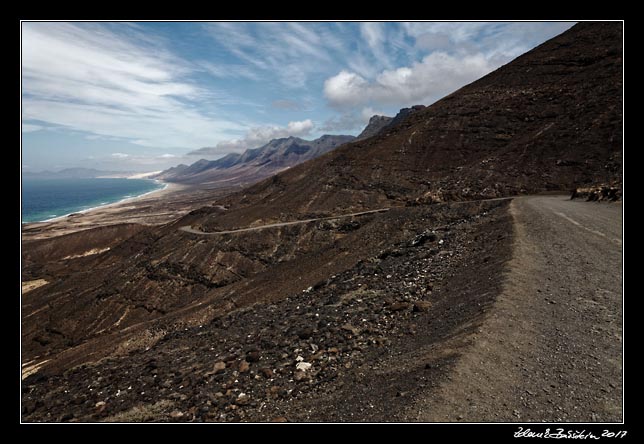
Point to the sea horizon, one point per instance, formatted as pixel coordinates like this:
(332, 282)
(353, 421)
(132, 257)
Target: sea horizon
(44, 200)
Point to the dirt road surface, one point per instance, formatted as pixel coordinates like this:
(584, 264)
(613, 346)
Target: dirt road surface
(551, 347)
(189, 229)
(192, 230)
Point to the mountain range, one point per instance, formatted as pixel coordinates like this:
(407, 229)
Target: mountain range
(236, 169)
(253, 164)
(333, 260)
(74, 173)
(549, 120)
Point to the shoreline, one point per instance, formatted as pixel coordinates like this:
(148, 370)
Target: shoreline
(154, 207)
(166, 187)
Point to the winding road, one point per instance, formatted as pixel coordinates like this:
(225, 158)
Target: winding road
(551, 347)
(189, 229)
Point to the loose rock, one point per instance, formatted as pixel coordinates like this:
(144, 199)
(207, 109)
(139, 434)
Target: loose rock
(303, 366)
(242, 399)
(399, 306)
(422, 306)
(219, 367)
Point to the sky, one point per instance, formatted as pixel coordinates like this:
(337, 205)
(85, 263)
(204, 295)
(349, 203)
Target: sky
(145, 96)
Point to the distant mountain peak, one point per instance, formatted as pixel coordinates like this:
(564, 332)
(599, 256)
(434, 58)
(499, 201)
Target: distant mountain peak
(378, 118)
(255, 163)
(549, 120)
(375, 125)
(74, 173)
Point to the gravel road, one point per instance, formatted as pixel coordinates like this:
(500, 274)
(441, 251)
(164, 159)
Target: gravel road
(191, 230)
(551, 346)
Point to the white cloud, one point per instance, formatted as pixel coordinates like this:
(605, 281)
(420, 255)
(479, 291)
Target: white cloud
(139, 161)
(345, 88)
(301, 128)
(119, 82)
(293, 52)
(420, 83)
(441, 57)
(229, 71)
(493, 39)
(28, 127)
(432, 41)
(257, 137)
(343, 122)
(87, 78)
(458, 31)
(368, 112)
(374, 35)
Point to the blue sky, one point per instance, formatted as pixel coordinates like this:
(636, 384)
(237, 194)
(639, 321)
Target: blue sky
(146, 96)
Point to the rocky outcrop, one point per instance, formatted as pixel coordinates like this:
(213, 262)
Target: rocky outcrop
(404, 113)
(378, 124)
(597, 193)
(375, 125)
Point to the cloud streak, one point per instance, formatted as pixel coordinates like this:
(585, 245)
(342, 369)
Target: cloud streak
(290, 52)
(29, 128)
(173, 87)
(89, 79)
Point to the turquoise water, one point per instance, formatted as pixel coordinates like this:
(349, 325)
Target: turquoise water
(49, 198)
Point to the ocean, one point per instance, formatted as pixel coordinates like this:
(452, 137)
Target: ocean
(49, 198)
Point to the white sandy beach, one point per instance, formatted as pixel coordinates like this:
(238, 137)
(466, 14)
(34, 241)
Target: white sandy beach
(167, 187)
(148, 209)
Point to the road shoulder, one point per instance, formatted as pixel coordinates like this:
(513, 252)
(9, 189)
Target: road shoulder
(550, 347)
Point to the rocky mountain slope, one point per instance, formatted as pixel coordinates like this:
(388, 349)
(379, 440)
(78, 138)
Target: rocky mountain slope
(376, 123)
(293, 346)
(253, 164)
(549, 120)
(179, 326)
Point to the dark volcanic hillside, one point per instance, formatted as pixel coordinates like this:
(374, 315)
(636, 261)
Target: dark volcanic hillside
(375, 125)
(378, 124)
(173, 325)
(549, 120)
(253, 164)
